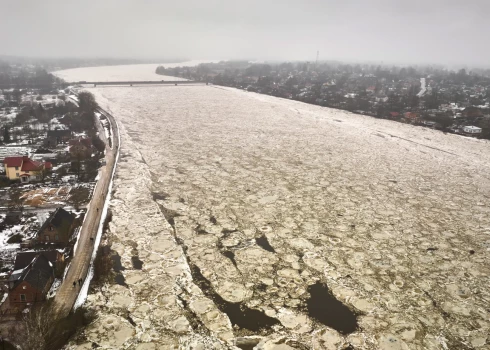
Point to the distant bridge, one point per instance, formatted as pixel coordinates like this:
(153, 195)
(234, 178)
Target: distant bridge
(138, 82)
(102, 83)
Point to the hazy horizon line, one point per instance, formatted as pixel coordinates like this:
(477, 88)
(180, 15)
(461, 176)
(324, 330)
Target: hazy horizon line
(157, 60)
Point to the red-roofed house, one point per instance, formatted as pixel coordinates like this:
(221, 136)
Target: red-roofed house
(25, 169)
(412, 116)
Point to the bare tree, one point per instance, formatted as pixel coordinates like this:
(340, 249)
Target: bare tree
(44, 329)
(37, 324)
(78, 165)
(6, 134)
(16, 202)
(22, 117)
(87, 102)
(43, 172)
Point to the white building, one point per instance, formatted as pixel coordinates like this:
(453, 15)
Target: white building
(472, 129)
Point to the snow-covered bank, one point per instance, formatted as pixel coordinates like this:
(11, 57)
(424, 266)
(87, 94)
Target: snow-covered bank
(82, 296)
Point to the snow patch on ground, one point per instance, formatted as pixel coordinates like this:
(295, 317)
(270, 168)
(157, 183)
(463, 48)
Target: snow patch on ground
(54, 288)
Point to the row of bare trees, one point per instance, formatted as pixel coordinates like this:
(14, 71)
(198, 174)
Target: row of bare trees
(43, 329)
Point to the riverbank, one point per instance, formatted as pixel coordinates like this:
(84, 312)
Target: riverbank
(91, 230)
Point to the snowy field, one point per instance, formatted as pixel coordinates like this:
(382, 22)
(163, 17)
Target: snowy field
(233, 208)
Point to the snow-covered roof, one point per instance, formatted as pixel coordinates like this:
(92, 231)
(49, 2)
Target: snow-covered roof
(471, 127)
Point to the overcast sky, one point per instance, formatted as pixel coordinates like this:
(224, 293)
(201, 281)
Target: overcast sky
(390, 31)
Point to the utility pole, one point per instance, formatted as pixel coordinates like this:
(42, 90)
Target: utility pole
(317, 55)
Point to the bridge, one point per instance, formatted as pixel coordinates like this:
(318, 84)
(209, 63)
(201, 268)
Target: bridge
(102, 83)
(138, 82)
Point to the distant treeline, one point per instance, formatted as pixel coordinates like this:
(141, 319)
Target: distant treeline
(51, 64)
(24, 76)
(225, 72)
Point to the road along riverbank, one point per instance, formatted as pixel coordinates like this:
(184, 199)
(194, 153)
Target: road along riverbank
(81, 266)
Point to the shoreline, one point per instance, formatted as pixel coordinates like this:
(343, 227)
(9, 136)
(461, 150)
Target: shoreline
(82, 262)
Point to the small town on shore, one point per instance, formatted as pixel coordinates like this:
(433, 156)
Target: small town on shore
(53, 143)
(434, 97)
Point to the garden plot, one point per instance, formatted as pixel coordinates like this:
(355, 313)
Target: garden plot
(46, 196)
(12, 232)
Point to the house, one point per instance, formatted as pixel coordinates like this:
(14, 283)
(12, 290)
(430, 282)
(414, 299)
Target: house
(57, 228)
(46, 157)
(429, 123)
(470, 129)
(472, 112)
(25, 169)
(31, 284)
(55, 137)
(48, 104)
(412, 116)
(23, 259)
(81, 146)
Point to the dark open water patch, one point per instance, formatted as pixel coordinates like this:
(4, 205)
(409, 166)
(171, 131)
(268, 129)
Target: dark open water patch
(246, 343)
(239, 314)
(246, 346)
(200, 230)
(169, 214)
(226, 232)
(194, 321)
(117, 267)
(131, 321)
(230, 255)
(226, 252)
(161, 196)
(264, 243)
(137, 263)
(325, 308)
(116, 263)
(120, 280)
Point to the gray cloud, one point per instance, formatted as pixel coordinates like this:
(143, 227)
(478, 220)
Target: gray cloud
(415, 31)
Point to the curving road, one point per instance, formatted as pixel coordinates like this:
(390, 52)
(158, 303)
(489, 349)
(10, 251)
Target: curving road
(79, 266)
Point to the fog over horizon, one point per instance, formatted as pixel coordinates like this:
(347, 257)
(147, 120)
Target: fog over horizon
(447, 32)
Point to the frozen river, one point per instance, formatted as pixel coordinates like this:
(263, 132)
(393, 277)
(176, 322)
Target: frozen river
(244, 219)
